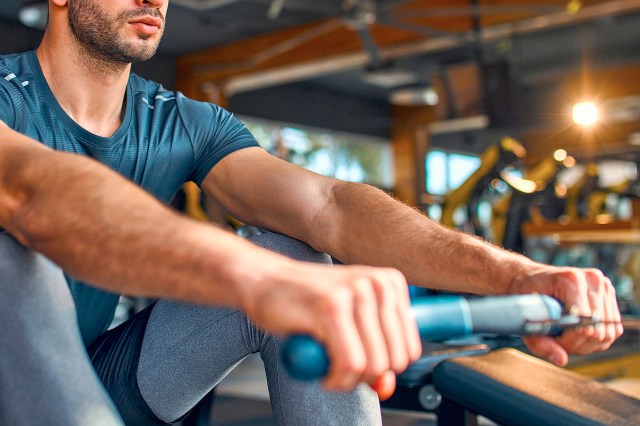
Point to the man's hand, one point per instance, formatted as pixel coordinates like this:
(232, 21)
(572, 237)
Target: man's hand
(361, 314)
(592, 295)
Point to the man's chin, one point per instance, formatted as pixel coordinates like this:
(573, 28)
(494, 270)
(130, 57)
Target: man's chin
(141, 50)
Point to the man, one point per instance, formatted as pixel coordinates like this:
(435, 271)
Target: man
(76, 93)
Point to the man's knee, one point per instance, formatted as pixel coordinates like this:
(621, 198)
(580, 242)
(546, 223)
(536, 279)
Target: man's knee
(290, 247)
(30, 280)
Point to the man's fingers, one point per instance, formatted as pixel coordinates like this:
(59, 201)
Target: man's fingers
(385, 386)
(374, 326)
(613, 330)
(344, 344)
(410, 327)
(366, 314)
(393, 328)
(592, 295)
(547, 348)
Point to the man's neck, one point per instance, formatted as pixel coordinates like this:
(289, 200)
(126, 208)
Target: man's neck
(90, 90)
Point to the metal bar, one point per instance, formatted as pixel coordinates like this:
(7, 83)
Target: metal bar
(369, 44)
(318, 68)
(283, 75)
(476, 122)
(304, 6)
(473, 10)
(298, 40)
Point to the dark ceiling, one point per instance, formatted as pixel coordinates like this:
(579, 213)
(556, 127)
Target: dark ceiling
(524, 64)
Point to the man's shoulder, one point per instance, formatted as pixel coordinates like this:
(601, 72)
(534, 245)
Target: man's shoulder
(14, 56)
(14, 64)
(156, 95)
(149, 88)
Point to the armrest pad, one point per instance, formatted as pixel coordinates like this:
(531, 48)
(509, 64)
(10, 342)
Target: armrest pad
(513, 388)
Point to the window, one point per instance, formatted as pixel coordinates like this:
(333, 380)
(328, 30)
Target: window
(345, 156)
(445, 171)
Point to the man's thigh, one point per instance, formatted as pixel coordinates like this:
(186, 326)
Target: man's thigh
(45, 374)
(115, 356)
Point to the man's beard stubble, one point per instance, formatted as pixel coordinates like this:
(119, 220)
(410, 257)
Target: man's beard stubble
(99, 35)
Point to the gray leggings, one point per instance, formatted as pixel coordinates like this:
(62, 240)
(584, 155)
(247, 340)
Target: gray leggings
(46, 376)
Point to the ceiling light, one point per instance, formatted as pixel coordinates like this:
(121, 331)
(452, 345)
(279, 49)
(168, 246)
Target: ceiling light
(585, 113)
(34, 15)
(634, 139)
(560, 155)
(388, 77)
(414, 96)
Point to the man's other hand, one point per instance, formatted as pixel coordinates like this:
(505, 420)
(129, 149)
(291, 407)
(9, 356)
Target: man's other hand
(586, 291)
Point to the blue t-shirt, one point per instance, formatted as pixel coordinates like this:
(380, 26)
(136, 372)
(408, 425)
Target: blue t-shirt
(165, 140)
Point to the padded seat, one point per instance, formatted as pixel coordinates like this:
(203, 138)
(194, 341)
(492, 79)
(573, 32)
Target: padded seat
(513, 388)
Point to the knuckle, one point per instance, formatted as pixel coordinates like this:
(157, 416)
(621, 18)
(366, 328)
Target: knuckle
(353, 366)
(331, 306)
(362, 292)
(399, 363)
(397, 277)
(569, 277)
(587, 332)
(609, 334)
(376, 369)
(594, 273)
(599, 333)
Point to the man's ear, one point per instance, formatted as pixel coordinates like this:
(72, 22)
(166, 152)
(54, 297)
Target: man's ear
(59, 3)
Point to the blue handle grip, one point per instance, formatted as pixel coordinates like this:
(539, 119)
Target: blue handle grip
(305, 358)
(439, 318)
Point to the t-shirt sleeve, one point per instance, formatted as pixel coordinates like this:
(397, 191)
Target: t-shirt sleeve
(215, 133)
(7, 110)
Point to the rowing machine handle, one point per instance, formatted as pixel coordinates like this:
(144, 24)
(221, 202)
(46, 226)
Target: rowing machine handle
(442, 318)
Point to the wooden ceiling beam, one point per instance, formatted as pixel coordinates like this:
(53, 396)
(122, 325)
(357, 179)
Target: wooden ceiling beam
(302, 52)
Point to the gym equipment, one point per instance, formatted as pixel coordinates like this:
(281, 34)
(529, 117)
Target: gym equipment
(512, 388)
(541, 203)
(508, 153)
(441, 318)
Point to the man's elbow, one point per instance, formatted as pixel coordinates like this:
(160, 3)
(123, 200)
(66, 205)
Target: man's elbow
(13, 218)
(18, 213)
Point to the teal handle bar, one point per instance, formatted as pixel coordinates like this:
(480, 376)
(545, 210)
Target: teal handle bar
(442, 318)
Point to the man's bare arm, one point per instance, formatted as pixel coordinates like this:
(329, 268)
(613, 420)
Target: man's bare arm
(103, 229)
(359, 224)
(434, 256)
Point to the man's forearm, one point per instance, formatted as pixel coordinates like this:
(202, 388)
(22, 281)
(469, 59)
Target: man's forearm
(103, 229)
(378, 230)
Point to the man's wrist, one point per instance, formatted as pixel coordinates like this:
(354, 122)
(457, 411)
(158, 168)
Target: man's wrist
(252, 274)
(503, 270)
(517, 271)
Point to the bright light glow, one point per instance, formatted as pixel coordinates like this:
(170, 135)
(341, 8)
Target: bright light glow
(585, 113)
(634, 139)
(560, 155)
(415, 96)
(569, 162)
(561, 190)
(520, 184)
